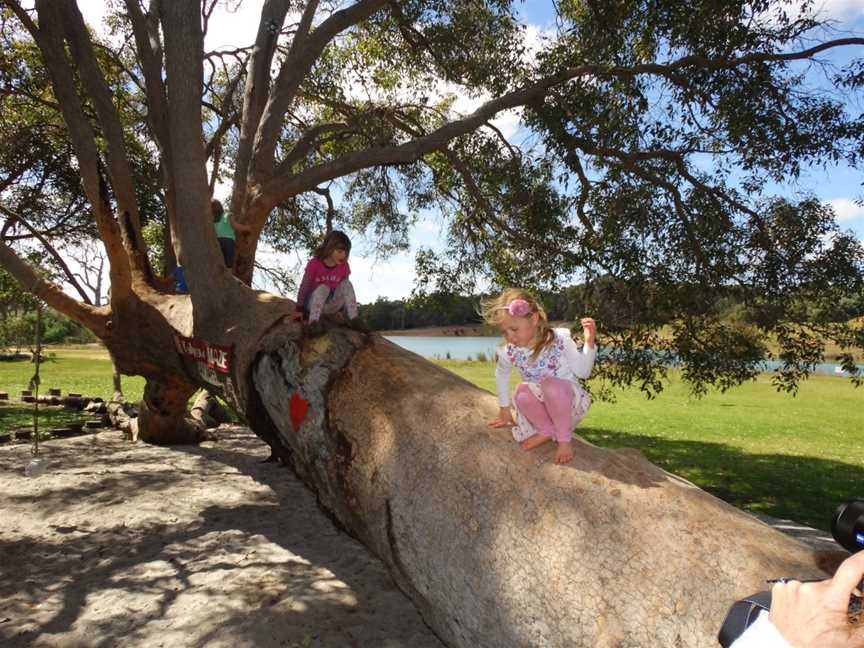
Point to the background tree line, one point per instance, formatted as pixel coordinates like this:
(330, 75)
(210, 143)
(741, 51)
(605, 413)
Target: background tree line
(601, 299)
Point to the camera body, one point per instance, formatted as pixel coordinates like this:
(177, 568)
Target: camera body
(847, 527)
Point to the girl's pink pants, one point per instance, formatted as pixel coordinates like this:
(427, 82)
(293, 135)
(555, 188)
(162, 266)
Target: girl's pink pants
(552, 416)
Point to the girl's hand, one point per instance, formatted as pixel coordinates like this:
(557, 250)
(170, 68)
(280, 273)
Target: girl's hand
(505, 419)
(589, 330)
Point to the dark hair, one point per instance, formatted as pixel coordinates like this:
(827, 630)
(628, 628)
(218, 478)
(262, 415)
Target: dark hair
(335, 240)
(217, 209)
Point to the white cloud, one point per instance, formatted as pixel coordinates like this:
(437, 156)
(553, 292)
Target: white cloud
(831, 10)
(227, 29)
(391, 279)
(94, 11)
(230, 29)
(840, 9)
(846, 209)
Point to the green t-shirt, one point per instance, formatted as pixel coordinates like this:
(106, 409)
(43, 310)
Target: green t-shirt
(223, 227)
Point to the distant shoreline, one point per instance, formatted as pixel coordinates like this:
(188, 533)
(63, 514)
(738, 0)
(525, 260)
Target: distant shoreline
(457, 330)
(454, 330)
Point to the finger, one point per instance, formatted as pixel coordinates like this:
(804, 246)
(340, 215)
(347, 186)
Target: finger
(847, 577)
(857, 636)
(782, 594)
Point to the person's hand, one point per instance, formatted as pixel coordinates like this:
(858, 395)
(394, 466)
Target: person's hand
(505, 419)
(238, 226)
(589, 330)
(814, 615)
(297, 316)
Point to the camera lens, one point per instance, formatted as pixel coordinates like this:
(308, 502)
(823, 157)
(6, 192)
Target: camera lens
(847, 526)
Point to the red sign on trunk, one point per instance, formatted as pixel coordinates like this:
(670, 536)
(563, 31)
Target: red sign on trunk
(214, 356)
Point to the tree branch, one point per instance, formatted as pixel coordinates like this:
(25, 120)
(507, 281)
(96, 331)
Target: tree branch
(145, 28)
(198, 251)
(255, 94)
(306, 142)
(331, 210)
(305, 51)
(50, 43)
(70, 277)
(100, 94)
(94, 318)
(282, 187)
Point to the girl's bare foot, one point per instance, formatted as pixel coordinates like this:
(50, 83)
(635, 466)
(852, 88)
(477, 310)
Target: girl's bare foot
(534, 441)
(564, 453)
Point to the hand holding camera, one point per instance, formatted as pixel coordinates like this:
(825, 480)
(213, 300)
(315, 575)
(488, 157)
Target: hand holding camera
(809, 614)
(818, 614)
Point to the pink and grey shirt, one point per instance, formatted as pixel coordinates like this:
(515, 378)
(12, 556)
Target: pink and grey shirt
(561, 358)
(318, 273)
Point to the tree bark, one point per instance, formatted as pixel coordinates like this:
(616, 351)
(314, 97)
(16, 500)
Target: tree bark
(162, 418)
(497, 546)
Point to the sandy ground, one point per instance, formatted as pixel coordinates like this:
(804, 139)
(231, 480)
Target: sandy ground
(133, 545)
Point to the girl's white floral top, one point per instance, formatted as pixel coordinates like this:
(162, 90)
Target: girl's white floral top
(560, 359)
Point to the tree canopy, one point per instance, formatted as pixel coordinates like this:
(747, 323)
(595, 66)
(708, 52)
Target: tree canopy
(655, 128)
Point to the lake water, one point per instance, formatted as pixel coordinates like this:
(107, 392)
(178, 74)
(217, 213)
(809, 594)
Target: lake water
(467, 348)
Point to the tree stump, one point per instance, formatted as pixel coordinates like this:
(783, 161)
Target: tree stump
(4, 396)
(55, 391)
(73, 402)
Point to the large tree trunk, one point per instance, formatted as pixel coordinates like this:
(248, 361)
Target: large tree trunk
(162, 414)
(496, 546)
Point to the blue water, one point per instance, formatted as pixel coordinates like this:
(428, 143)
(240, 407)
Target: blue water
(459, 348)
(467, 348)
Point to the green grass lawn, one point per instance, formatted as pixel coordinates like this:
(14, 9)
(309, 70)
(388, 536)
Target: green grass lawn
(84, 370)
(15, 416)
(753, 447)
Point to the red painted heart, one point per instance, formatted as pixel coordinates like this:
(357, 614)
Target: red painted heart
(298, 407)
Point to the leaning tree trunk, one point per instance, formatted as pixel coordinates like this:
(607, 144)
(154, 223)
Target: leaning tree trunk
(496, 546)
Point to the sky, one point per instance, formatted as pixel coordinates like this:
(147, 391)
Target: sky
(394, 278)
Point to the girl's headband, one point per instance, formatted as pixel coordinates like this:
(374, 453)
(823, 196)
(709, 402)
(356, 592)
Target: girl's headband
(518, 308)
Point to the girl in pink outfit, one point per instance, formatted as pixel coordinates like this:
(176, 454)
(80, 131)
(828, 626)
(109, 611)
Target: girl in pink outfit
(325, 287)
(550, 401)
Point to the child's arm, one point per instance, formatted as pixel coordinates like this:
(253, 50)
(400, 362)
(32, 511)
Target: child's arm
(305, 287)
(589, 330)
(581, 361)
(502, 386)
(238, 226)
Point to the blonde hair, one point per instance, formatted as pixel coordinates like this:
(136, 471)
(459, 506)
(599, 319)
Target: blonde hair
(492, 310)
